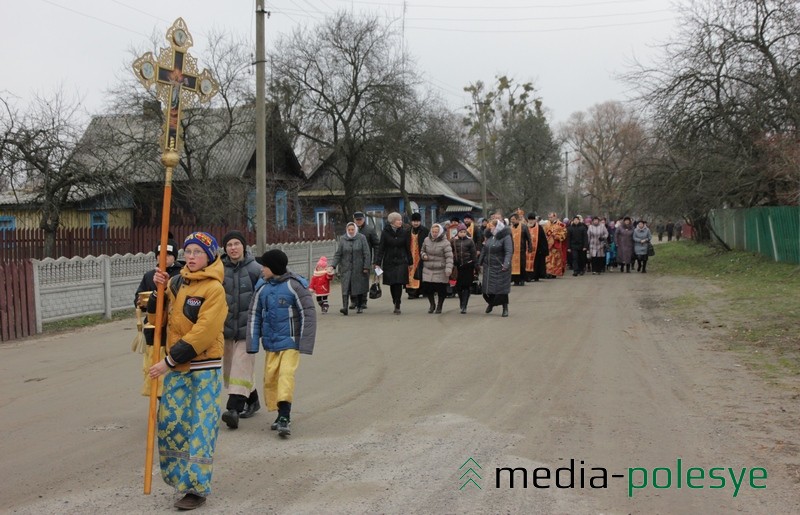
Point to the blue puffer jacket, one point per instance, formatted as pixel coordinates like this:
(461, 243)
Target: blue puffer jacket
(282, 315)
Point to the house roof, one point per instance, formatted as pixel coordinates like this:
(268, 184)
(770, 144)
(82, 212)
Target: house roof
(418, 185)
(230, 155)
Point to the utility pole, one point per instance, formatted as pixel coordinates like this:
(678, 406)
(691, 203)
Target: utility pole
(261, 133)
(566, 183)
(484, 203)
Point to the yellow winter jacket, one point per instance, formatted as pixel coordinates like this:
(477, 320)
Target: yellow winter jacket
(195, 318)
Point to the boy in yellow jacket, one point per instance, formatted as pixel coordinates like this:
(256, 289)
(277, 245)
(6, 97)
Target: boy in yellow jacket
(189, 414)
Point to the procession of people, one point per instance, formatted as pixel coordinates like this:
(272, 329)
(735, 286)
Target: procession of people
(229, 304)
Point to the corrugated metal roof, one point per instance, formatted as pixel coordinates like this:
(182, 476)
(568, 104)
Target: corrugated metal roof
(140, 136)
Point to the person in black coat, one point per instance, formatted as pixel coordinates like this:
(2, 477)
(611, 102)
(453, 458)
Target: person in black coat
(577, 244)
(465, 262)
(393, 256)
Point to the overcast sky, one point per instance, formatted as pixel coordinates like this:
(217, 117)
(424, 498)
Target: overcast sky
(570, 49)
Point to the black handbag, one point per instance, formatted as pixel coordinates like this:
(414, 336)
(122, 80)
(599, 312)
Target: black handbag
(651, 251)
(375, 290)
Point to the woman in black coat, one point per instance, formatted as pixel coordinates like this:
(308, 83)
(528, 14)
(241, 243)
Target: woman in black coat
(394, 257)
(495, 259)
(465, 261)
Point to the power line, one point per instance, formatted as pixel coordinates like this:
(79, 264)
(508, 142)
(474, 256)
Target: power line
(533, 31)
(495, 7)
(95, 18)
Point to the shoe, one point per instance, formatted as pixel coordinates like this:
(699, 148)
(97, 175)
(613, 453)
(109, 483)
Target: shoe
(250, 410)
(505, 311)
(463, 311)
(438, 311)
(594, 273)
(581, 273)
(274, 425)
(364, 306)
(283, 426)
(324, 310)
(644, 271)
(360, 309)
(343, 311)
(231, 417)
(352, 305)
(190, 502)
(574, 274)
(489, 308)
(396, 310)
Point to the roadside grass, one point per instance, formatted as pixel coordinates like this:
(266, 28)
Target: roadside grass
(70, 324)
(759, 303)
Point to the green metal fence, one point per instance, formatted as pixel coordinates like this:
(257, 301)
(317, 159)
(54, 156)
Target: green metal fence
(771, 231)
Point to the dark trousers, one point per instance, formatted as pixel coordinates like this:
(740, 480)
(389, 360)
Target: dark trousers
(598, 264)
(397, 293)
(440, 289)
(578, 260)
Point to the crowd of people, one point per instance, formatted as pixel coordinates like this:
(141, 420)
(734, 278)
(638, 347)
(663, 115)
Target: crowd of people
(223, 307)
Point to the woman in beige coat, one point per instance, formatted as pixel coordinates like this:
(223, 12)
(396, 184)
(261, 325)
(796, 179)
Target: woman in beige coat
(437, 256)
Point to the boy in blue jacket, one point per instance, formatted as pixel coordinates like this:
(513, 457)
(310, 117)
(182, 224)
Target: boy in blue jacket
(283, 319)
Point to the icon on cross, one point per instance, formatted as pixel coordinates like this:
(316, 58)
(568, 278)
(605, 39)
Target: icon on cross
(178, 84)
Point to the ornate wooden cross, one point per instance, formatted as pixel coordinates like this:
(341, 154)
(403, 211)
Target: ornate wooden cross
(177, 81)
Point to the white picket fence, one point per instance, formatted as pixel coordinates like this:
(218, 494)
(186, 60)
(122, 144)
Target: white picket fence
(67, 288)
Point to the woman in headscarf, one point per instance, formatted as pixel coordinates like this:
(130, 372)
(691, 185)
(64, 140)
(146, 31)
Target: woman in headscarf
(438, 257)
(394, 257)
(495, 260)
(623, 237)
(641, 238)
(353, 259)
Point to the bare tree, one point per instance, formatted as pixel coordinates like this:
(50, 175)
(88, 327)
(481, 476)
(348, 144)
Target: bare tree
(44, 161)
(612, 145)
(331, 82)
(418, 135)
(724, 98)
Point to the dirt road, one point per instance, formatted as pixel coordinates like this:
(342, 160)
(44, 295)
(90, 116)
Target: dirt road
(389, 409)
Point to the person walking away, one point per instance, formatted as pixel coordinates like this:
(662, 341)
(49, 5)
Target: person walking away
(495, 262)
(320, 284)
(578, 240)
(352, 257)
(678, 230)
(417, 235)
(641, 237)
(189, 412)
(238, 367)
(660, 228)
(670, 230)
(147, 286)
(393, 256)
(284, 322)
(464, 261)
(522, 247)
(598, 238)
(623, 237)
(437, 255)
(371, 236)
(611, 253)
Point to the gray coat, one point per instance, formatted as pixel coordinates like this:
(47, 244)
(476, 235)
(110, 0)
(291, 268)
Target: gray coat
(438, 258)
(598, 236)
(495, 261)
(239, 282)
(623, 237)
(639, 248)
(352, 257)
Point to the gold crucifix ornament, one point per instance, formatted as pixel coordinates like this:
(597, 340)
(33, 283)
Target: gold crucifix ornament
(178, 84)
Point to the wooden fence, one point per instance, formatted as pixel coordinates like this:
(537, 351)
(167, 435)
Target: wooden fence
(17, 302)
(24, 244)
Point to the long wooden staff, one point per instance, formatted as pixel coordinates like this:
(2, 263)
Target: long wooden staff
(170, 160)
